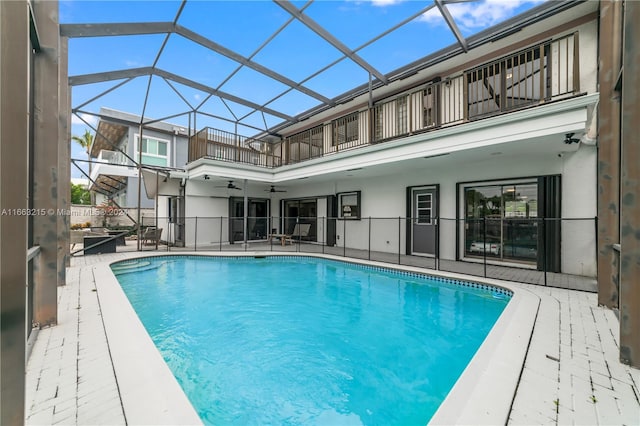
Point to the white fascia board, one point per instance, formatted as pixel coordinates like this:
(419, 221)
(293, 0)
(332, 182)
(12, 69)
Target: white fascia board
(235, 171)
(112, 170)
(556, 118)
(178, 174)
(560, 117)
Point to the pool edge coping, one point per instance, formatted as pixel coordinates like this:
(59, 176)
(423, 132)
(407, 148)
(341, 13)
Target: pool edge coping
(483, 393)
(149, 392)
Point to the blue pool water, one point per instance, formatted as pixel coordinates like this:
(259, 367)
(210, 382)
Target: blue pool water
(295, 340)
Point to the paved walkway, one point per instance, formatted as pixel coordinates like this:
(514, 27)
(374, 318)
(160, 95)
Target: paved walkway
(571, 374)
(70, 378)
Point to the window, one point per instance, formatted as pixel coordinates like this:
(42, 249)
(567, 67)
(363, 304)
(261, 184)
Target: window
(402, 112)
(306, 145)
(154, 151)
(378, 123)
(349, 205)
(424, 208)
(429, 107)
(345, 129)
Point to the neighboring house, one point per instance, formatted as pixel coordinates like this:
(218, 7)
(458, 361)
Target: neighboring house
(497, 137)
(164, 145)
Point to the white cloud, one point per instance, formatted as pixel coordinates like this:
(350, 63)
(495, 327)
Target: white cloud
(477, 15)
(92, 120)
(197, 96)
(384, 3)
(132, 63)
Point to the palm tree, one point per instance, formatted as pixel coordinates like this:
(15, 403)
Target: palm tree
(85, 141)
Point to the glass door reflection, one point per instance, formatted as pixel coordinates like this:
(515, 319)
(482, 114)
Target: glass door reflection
(501, 222)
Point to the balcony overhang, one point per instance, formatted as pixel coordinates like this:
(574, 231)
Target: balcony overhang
(109, 185)
(108, 135)
(112, 170)
(535, 129)
(110, 179)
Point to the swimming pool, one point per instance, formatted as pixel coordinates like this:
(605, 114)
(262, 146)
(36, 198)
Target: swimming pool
(305, 340)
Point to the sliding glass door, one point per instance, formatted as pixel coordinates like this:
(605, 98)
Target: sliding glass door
(257, 219)
(303, 211)
(501, 221)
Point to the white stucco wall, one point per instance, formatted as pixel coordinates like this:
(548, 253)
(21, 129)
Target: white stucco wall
(208, 213)
(579, 195)
(209, 209)
(383, 197)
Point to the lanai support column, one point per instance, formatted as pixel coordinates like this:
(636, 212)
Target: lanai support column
(14, 176)
(609, 152)
(64, 162)
(46, 176)
(630, 191)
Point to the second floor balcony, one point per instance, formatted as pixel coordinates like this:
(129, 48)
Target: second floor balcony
(113, 157)
(533, 76)
(109, 169)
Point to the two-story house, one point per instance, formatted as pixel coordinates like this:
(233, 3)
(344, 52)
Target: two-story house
(464, 155)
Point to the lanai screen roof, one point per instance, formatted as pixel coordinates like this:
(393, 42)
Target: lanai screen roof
(254, 67)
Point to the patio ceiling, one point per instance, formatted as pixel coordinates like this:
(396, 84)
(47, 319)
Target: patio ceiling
(255, 67)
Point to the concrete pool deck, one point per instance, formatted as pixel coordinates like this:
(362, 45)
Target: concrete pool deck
(90, 368)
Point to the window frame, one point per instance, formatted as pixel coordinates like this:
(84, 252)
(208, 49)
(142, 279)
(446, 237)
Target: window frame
(357, 215)
(464, 219)
(348, 122)
(136, 146)
(417, 219)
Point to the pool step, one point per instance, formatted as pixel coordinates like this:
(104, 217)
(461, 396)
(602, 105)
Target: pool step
(136, 266)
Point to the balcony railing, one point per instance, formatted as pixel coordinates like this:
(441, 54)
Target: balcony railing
(113, 157)
(220, 145)
(542, 73)
(305, 145)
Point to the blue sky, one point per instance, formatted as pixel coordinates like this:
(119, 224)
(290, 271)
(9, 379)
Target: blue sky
(243, 26)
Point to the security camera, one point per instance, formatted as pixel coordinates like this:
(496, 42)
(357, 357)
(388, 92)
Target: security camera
(569, 139)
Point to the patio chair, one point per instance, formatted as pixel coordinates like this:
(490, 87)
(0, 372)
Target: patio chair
(151, 235)
(299, 231)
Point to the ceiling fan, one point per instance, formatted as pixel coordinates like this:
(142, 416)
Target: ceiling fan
(230, 185)
(273, 189)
